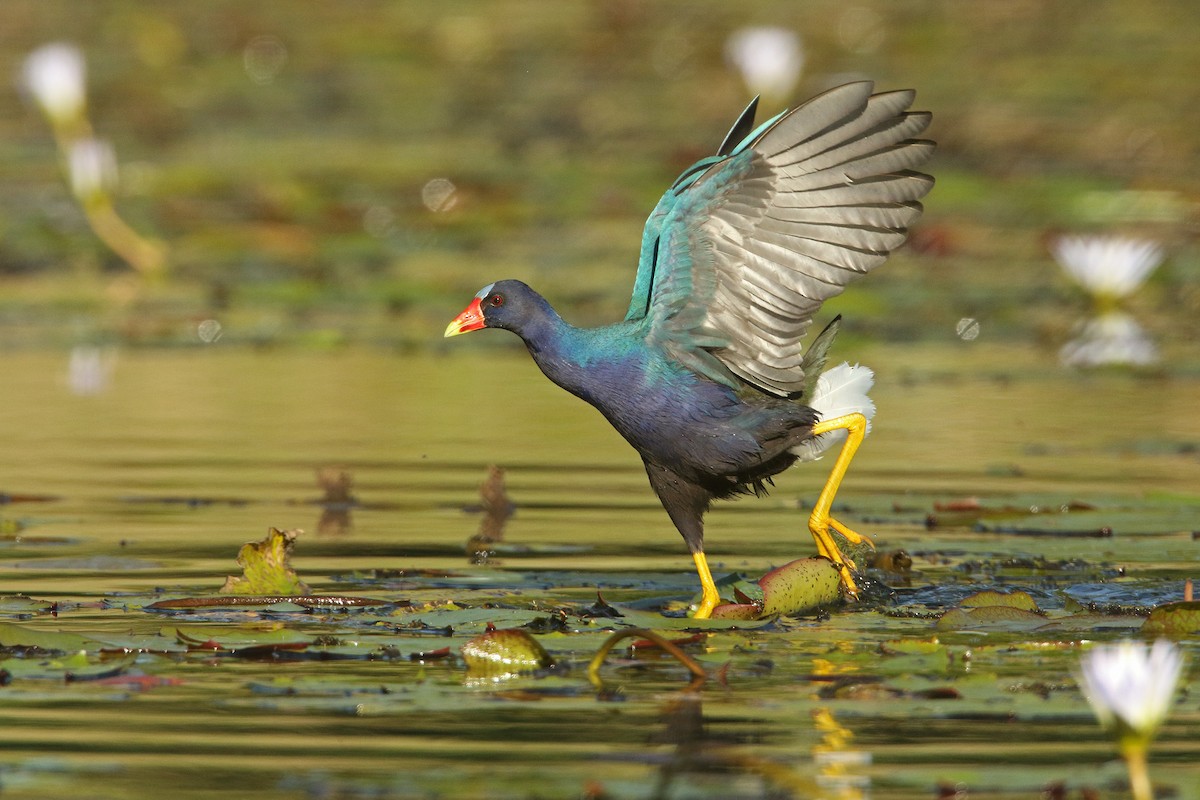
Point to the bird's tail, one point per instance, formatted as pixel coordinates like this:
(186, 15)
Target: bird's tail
(841, 390)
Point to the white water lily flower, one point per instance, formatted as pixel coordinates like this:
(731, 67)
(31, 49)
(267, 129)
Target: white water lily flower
(1130, 686)
(92, 164)
(1112, 266)
(54, 76)
(770, 60)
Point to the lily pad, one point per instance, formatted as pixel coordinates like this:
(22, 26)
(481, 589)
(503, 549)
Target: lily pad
(990, 598)
(13, 636)
(76, 666)
(266, 569)
(990, 618)
(1173, 619)
(798, 587)
(22, 604)
(238, 640)
(504, 653)
(257, 601)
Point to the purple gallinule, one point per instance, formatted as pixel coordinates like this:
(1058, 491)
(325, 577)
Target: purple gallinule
(706, 376)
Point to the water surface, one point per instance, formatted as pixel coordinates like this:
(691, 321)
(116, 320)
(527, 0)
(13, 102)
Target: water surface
(147, 489)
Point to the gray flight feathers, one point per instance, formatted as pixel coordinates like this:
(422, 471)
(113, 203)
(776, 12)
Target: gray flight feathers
(763, 237)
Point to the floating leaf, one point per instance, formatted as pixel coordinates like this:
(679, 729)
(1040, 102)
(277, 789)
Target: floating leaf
(798, 587)
(258, 601)
(992, 598)
(1173, 619)
(498, 654)
(21, 604)
(990, 618)
(735, 611)
(13, 636)
(75, 666)
(908, 647)
(265, 567)
(238, 640)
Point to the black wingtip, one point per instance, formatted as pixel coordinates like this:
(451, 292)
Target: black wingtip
(740, 130)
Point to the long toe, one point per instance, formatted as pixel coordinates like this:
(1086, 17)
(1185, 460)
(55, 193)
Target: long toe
(851, 536)
(827, 546)
(849, 587)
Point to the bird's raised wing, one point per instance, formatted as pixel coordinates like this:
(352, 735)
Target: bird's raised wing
(743, 249)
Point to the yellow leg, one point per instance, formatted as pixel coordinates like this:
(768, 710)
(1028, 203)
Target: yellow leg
(709, 598)
(819, 522)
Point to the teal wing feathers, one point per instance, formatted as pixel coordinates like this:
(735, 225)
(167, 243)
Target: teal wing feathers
(742, 251)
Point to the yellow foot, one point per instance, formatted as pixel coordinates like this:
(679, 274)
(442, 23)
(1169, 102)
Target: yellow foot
(849, 535)
(709, 597)
(827, 547)
(819, 522)
(705, 607)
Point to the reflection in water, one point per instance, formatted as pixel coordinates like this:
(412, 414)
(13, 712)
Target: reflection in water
(337, 502)
(835, 758)
(496, 509)
(194, 451)
(1113, 337)
(90, 369)
(1110, 268)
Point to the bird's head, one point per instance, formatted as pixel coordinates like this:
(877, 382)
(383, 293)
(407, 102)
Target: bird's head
(504, 304)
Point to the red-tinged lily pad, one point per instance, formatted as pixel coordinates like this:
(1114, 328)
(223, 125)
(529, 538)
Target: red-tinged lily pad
(737, 611)
(258, 601)
(1173, 619)
(992, 598)
(798, 587)
(139, 683)
(266, 569)
(504, 653)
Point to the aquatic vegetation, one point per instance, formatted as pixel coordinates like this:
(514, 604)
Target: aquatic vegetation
(54, 75)
(266, 567)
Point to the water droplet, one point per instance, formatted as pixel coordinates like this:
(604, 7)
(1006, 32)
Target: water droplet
(209, 331)
(967, 329)
(379, 221)
(264, 58)
(439, 194)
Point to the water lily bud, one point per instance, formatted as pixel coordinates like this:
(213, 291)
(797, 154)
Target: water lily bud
(54, 76)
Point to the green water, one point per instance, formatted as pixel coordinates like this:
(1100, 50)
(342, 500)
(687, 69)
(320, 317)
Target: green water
(148, 489)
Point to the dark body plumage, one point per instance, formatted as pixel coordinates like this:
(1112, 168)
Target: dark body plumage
(683, 425)
(705, 377)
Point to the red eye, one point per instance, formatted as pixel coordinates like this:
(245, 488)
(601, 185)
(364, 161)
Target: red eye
(497, 300)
